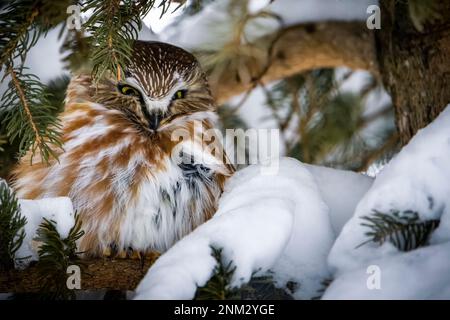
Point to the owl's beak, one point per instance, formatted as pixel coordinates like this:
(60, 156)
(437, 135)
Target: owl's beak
(154, 120)
(153, 110)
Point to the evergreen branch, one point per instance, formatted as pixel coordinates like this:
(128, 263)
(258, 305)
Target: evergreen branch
(78, 46)
(22, 22)
(55, 256)
(53, 13)
(165, 5)
(295, 51)
(114, 24)
(28, 116)
(16, 23)
(218, 286)
(11, 227)
(403, 229)
(24, 103)
(26, 113)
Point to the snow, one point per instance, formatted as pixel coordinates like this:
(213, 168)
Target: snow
(376, 100)
(251, 233)
(215, 17)
(416, 179)
(146, 34)
(58, 209)
(286, 224)
(294, 11)
(156, 21)
(341, 190)
(418, 274)
(254, 6)
(278, 223)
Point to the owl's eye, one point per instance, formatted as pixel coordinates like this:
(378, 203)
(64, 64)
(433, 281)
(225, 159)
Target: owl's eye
(180, 94)
(128, 91)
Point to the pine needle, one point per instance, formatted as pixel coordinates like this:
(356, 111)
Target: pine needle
(17, 35)
(403, 229)
(219, 287)
(28, 116)
(55, 256)
(113, 25)
(11, 227)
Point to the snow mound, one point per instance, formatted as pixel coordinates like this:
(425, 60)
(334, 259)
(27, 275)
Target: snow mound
(278, 223)
(418, 274)
(58, 209)
(341, 190)
(418, 180)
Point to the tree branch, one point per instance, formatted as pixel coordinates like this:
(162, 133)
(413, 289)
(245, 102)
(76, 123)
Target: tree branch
(118, 274)
(304, 47)
(24, 102)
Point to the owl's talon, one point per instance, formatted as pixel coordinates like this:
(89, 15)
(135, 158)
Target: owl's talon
(122, 254)
(137, 255)
(152, 255)
(107, 252)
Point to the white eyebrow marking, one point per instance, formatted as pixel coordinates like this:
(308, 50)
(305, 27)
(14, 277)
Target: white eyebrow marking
(134, 83)
(155, 103)
(179, 85)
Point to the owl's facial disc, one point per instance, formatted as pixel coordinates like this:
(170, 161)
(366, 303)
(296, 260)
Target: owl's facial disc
(154, 111)
(163, 86)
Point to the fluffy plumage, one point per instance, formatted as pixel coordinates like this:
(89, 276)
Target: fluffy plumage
(117, 166)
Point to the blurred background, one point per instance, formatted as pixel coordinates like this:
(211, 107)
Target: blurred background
(333, 116)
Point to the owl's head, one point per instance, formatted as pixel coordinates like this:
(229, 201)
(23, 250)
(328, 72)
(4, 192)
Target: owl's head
(162, 83)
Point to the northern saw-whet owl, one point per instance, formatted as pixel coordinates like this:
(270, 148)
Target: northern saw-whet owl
(116, 163)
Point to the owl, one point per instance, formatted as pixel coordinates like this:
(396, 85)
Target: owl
(117, 161)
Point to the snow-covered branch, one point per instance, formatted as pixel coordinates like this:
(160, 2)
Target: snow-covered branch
(285, 223)
(416, 180)
(265, 222)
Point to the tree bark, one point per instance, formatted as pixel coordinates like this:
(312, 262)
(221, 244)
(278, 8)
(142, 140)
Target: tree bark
(415, 66)
(304, 47)
(111, 274)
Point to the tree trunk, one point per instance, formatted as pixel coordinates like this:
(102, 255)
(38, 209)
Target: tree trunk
(415, 66)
